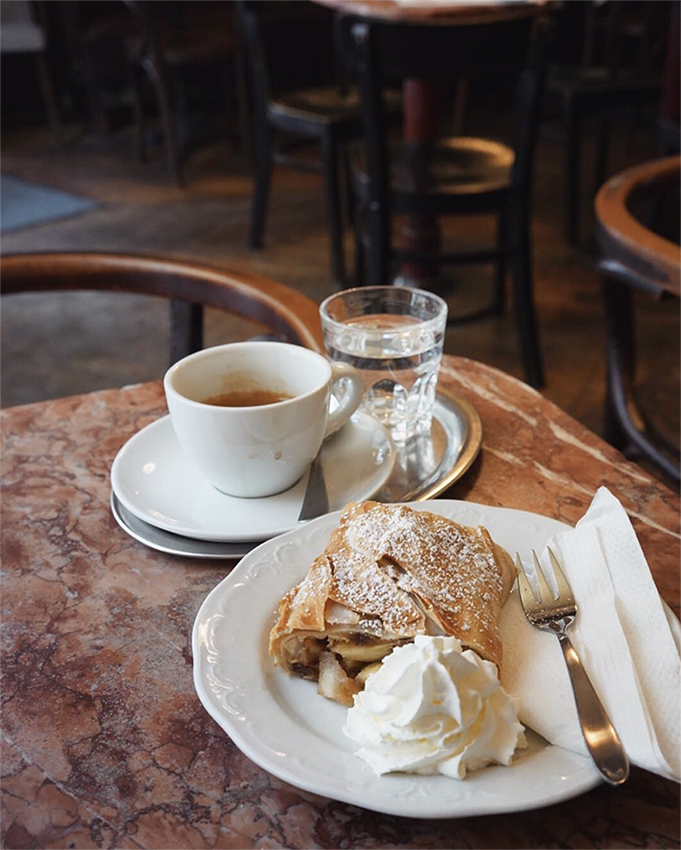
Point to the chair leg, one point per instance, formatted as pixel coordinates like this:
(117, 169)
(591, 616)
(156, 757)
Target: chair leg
(360, 260)
(98, 115)
(159, 81)
(346, 170)
(625, 426)
(601, 160)
(377, 263)
(50, 99)
(333, 205)
(242, 104)
(500, 270)
(572, 173)
(139, 121)
(186, 329)
(263, 179)
(523, 300)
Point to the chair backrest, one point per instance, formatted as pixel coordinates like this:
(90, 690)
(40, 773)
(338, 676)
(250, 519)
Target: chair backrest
(258, 71)
(273, 34)
(189, 287)
(637, 230)
(624, 36)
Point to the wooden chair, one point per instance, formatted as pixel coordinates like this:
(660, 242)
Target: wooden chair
(159, 43)
(636, 253)
(189, 287)
(452, 176)
(328, 115)
(171, 38)
(609, 78)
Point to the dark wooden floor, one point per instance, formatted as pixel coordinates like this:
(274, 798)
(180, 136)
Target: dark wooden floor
(57, 345)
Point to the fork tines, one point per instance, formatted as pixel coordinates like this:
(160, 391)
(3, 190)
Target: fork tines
(547, 598)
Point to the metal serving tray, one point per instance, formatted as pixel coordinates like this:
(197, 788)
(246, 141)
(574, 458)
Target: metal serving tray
(426, 466)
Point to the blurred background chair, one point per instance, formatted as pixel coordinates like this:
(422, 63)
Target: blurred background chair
(171, 67)
(22, 33)
(638, 236)
(618, 72)
(450, 176)
(327, 115)
(173, 41)
(189, 288)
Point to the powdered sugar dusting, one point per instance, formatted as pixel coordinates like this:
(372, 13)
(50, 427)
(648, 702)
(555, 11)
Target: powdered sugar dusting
(360, 584)
(452, 568)
(403, 573)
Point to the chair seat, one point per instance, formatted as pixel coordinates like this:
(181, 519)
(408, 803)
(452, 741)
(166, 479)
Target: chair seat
(321, 105)
(459, 166)
(325, 105)
(571, 79)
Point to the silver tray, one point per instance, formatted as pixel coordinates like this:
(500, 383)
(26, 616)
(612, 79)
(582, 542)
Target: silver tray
(424, 467)
(175, 544)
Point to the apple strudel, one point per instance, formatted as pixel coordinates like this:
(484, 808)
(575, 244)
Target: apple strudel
(389, 573)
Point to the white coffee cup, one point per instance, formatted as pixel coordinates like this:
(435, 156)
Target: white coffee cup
(258, 450)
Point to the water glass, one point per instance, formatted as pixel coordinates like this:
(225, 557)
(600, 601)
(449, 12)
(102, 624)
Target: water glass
(393, 336)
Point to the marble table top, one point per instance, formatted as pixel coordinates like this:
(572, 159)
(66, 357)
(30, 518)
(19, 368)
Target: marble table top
(104, 743)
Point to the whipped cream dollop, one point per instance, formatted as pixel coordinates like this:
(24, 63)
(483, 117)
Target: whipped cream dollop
(433, 708)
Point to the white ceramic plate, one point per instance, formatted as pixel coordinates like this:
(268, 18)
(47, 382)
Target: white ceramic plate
(285, 727)
(152, 478)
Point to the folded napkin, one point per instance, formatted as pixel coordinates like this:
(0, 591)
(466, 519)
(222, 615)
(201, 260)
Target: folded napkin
(622, 635)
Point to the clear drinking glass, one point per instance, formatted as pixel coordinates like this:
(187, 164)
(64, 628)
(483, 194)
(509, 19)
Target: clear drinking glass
(393, 336)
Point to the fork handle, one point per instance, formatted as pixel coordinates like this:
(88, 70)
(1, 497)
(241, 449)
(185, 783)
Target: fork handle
(599, 733)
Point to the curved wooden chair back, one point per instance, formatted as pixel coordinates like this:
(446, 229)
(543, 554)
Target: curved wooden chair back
(647, 258)
(638, 226)
(286, 312)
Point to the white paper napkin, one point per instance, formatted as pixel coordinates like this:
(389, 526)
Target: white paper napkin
(621, 634)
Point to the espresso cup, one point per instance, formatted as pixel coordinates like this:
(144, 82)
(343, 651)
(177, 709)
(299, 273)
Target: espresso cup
(255, 451)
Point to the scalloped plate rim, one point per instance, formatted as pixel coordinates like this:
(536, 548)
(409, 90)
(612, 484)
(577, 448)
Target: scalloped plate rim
(584, 778)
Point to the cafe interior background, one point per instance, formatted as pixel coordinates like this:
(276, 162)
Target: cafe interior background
(91, 162)
(145, 129)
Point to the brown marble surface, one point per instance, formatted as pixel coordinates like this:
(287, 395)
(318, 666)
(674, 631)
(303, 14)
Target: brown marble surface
(105, 743)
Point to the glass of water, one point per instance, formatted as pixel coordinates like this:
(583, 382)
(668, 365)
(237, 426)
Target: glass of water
(393, 336)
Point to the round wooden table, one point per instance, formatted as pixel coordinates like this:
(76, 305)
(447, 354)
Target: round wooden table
(422, 98)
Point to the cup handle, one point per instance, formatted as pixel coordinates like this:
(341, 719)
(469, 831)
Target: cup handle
(349, 401)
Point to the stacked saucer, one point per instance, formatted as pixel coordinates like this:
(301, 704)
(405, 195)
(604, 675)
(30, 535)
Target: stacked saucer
(161, 500)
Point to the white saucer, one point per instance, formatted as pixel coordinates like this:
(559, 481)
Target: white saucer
(152, 478)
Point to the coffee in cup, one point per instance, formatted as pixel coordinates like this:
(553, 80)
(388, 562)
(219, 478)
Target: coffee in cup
(251, 416)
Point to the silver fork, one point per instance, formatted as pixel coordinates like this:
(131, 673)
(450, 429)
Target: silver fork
(555, 615)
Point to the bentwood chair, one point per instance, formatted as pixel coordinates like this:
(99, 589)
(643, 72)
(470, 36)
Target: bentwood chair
(619, 71)
(452, 176)
(288, 313)
(327, 115)
(638, 236)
